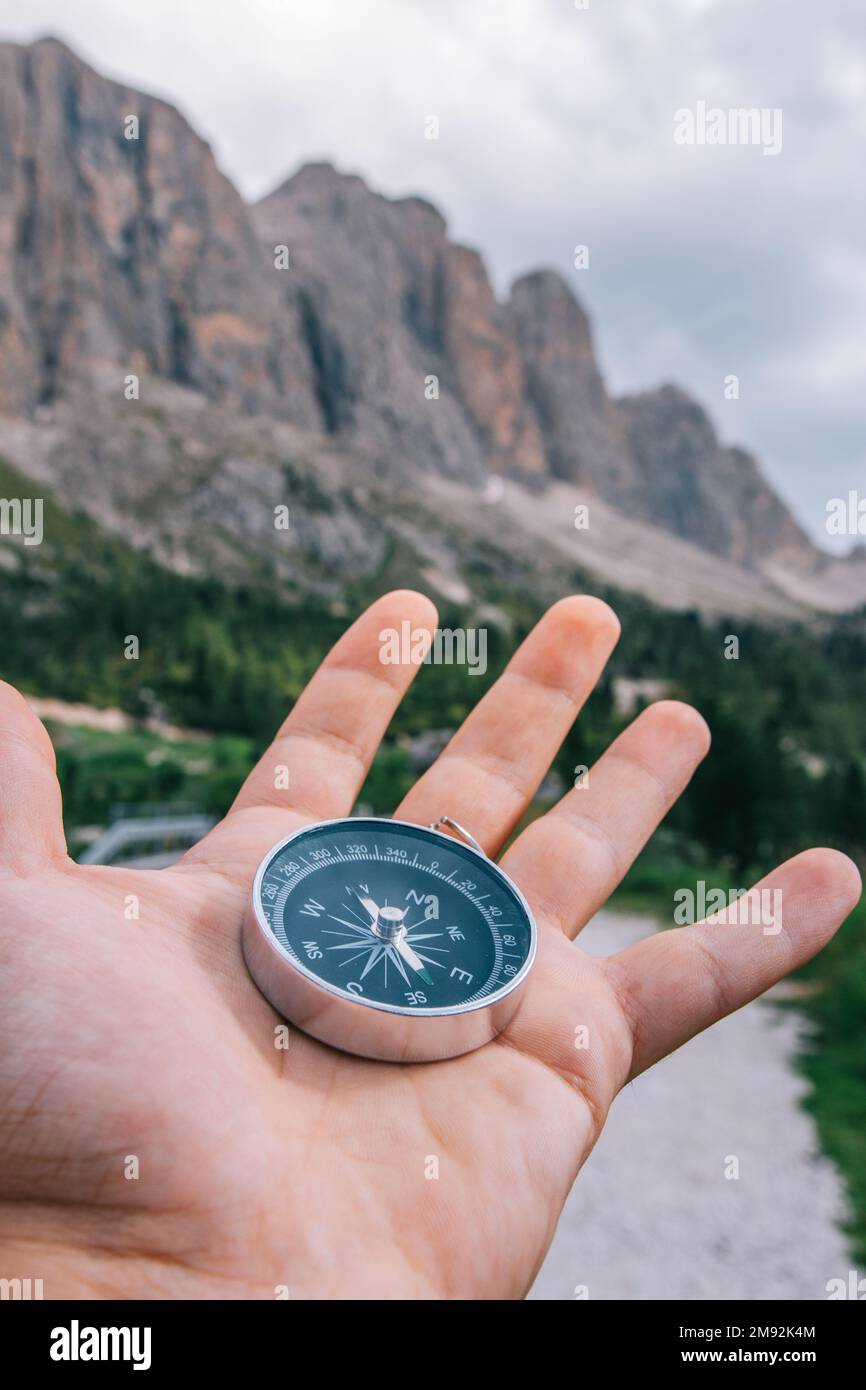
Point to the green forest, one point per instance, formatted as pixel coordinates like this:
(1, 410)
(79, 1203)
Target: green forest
(789, 738)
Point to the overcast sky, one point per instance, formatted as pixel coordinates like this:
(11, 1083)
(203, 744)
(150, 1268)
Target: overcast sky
(556, 128)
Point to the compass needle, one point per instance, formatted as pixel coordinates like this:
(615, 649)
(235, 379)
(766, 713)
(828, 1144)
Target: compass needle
(399, 964)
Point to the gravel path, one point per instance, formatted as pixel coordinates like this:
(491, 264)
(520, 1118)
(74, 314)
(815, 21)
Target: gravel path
(653, 1215)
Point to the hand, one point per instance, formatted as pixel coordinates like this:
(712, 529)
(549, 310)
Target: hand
(134, 1042)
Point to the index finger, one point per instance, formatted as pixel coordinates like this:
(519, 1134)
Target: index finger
(317, 763)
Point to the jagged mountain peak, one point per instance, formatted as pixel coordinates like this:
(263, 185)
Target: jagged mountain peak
(316, 176)
(547, 307)
(543, 280)
(672, 408)
(50, 41)
(51, 57)
(123, 255)
(320, 184)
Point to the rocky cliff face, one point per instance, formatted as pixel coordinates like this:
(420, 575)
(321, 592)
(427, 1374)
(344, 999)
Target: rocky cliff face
(411, 353)
(582, 435)
(701, 490)
(386, 302)
(136, 255)
(368, 284)
(134, 252)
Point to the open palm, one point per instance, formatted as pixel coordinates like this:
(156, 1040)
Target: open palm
(155, 1141)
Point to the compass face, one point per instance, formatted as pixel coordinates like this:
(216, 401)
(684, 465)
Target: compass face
(395, 916)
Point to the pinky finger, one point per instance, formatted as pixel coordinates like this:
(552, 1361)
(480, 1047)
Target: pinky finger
(673, 985)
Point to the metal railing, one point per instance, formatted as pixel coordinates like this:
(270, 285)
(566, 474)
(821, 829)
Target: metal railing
(174, 833)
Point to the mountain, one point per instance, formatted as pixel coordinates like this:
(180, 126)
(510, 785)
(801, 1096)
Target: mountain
(387, 300)
(375, 372)
(126, 252)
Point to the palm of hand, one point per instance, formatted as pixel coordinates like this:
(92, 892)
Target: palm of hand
(154, 1139)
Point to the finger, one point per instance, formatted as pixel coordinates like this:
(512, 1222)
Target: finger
(676, 983)
(317, 763)
(490, 770)
(569, 861)
(31, 817)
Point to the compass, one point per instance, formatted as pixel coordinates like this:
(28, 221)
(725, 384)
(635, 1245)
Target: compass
(389, 940)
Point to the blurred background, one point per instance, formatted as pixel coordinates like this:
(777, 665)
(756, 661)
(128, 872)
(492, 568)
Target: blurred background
(300, 306)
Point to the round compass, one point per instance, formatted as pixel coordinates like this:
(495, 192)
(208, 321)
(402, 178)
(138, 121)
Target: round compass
(387, 939)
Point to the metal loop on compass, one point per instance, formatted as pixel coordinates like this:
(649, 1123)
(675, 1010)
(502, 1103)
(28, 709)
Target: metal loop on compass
(458, 830)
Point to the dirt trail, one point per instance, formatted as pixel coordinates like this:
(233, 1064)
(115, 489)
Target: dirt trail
(653, 1215)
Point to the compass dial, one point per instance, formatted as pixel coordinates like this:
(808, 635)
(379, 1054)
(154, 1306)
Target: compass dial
(395, 916)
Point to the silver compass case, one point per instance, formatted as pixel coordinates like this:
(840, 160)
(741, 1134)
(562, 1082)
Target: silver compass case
(367, 1027)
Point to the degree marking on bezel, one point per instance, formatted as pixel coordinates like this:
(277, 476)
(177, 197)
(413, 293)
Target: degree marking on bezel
(424, 832)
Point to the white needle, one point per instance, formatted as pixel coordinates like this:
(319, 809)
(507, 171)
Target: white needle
(367, 904)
